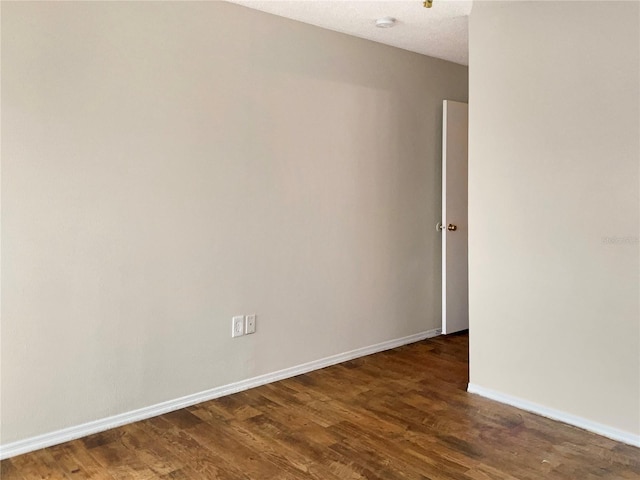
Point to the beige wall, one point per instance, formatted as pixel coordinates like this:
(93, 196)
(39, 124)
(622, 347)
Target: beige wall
(168, 165)
(555, 206)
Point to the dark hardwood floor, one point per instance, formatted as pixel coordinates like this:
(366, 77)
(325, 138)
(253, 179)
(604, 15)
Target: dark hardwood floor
(400, 414)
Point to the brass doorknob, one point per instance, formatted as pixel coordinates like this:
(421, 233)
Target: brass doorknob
(451, 227)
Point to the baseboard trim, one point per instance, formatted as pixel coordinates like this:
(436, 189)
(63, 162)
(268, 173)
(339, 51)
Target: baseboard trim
(78, 431)
(604, 430)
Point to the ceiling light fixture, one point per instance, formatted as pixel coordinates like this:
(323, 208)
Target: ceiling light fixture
(428, 3)
(385, 22)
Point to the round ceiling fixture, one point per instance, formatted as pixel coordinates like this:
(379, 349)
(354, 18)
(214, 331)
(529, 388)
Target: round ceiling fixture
(385, 22)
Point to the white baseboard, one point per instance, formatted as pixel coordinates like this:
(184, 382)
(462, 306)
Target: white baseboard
(600, 429)
(72, 433)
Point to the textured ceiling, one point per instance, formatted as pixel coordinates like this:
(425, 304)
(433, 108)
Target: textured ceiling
(440, 31)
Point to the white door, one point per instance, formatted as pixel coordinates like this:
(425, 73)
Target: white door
(455, 271)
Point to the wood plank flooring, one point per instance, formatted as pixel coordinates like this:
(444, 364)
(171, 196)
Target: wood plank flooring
(400, 414)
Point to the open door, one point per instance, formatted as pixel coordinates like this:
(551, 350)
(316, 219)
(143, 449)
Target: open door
(455, 269)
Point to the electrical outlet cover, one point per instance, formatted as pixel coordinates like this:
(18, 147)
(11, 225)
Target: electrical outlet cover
(237, 326)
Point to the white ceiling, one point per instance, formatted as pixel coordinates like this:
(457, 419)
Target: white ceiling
(440, 31)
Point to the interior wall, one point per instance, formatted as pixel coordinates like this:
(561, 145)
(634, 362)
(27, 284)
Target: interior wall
(554, 206)
(167, 165)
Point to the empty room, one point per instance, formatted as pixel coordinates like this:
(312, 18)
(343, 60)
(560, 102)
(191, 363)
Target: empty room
(320, 240)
